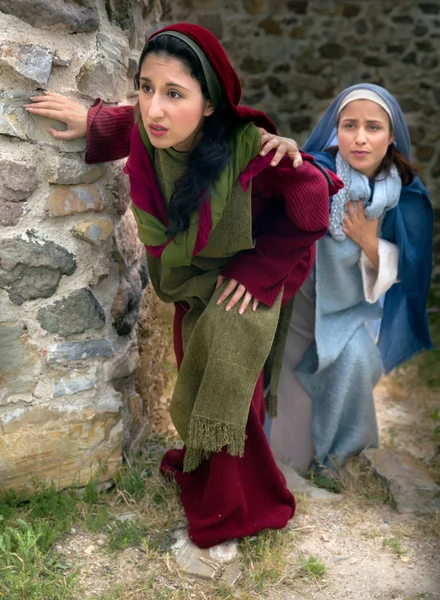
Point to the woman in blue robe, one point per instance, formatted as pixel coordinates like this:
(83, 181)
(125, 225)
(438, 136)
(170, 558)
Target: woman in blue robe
(374, 266)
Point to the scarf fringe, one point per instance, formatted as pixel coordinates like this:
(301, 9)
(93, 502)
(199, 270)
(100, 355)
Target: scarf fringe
(209, 436)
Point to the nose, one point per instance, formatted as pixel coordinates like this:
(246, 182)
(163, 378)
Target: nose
(155, 108)
(361, 137)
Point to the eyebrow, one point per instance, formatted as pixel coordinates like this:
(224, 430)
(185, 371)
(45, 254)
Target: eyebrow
(168, 84)
(368, 120)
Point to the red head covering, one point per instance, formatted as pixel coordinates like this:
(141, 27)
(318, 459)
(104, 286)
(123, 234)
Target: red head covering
(226, 74)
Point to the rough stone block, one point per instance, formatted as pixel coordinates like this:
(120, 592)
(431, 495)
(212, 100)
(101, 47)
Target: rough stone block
(71, 16)
(126, 303)
(213, 22)
(31, 267)
(11, 212)
(15, 121)
(28, 60)
(73, 314)
(73, 382)
(67, 200)
(105, 73)
(81, 350)
(128, 249)
(66, 445)
(94, 231)
(254, 7)
(121, 192)
(411, 486)
(17, 180)
(73, 171)
(122, 365)
(298, 485)
(100, 270)
(20, 362)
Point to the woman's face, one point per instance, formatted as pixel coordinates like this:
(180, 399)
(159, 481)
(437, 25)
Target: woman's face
(364, 134)
(171, 103)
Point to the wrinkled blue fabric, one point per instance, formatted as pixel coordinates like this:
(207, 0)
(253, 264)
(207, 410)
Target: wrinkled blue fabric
(404, 330)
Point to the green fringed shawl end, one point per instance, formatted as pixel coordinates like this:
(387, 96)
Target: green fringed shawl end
(209, 436)
(272, 368)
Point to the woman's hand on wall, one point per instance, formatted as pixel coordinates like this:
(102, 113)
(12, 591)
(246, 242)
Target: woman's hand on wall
(282, 146)
(363, 231)
(239, 291)
(60, 108)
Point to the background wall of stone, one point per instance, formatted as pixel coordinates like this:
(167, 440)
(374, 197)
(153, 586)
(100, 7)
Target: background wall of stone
(294, 56)
(71, 267)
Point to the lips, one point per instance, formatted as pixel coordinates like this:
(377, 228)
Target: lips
(157, 130)
(360, 153)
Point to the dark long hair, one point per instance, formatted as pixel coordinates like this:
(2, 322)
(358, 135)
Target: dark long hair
(404, 167)
(211, 154)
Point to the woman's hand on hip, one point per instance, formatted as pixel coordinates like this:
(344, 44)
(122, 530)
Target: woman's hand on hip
(60, 108)
(238, 292)
(282, 146)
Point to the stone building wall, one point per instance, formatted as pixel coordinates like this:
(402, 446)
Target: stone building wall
(71, 267)
(294, 56)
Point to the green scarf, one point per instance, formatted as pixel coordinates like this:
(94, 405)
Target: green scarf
(245, 144)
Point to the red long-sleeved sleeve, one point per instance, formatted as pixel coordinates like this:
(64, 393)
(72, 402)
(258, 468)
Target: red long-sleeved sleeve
(295, 217)
(108, 132)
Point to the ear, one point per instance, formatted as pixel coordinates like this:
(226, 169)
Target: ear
(209, 109)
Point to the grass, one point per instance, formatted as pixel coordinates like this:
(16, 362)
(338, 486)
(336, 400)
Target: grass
(43, 538)
(312, 567)
(395, 546)
(354, 479)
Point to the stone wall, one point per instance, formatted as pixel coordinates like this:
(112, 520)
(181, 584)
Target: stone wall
(294, 56)
(71, 267)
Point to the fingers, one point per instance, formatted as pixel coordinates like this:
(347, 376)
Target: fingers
(52, 97)
(48, 113)
(281, 151)
(227, 291)
(238, 294)
(240, 291)
(62, 135)
(271, 144)
(296, 158)
(220, 280)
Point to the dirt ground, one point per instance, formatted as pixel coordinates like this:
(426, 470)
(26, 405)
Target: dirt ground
(369, 550)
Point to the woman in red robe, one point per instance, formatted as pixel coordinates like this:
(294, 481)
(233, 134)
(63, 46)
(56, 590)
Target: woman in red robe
(229, 241)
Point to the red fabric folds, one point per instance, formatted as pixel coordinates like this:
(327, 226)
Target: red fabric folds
(226, 496)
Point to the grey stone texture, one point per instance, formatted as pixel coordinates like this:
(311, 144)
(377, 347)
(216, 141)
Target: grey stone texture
(80, 351)
(68, 402)
(76, 313)
(20, 361)
(16, 122)
(17, 180)
(71, 16)
(31, 267)
(412, 488)
(28, 60)
(72, 170)
(126, 304)
(105, 73)
(73, 382)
